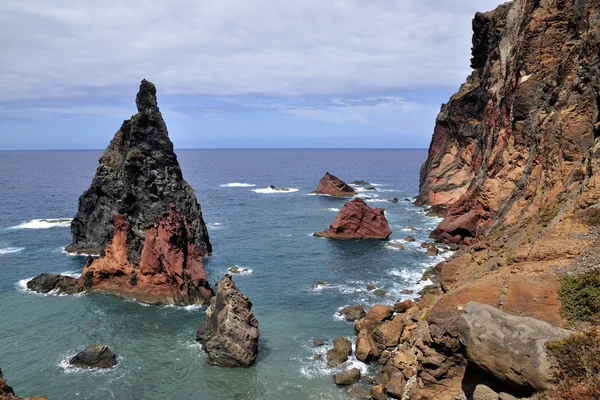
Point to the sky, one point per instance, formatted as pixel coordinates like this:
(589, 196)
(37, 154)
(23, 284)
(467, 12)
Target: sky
(232, 73)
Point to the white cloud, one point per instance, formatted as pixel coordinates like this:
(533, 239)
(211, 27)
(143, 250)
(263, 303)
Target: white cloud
(66, 48)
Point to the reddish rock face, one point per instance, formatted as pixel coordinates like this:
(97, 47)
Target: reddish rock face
(333, 186)
(358, 221)
(170, 270)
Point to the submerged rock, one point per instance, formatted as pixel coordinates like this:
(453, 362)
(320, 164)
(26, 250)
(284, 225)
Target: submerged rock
(229, 334)
(333, 186)
(357, 220)
(94, 356)
(55, 283)
(272, 187)
(361, 183)
(509, 348)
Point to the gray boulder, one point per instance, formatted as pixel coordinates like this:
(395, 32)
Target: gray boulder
(483, 392)
(94, 356)
(510, 348)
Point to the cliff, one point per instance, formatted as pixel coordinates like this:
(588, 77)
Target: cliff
(138, 177)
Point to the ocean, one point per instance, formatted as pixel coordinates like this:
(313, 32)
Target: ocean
(268, 233)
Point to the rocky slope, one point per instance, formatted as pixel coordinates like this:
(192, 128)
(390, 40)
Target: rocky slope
(514, 160)
(141, 217)
(333, 186)
(357, 220)
(229, 334)
(138, 177)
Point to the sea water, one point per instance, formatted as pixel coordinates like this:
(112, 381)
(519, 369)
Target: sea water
(251, 226)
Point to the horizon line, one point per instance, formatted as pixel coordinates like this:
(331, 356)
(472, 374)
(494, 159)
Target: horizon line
(244, 148)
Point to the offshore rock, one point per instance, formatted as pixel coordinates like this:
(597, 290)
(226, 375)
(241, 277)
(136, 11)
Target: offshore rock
(510, 348)
(170, 270)
(357, 220)
(229, 334)
(334, 186)
(58, 284)
(94, 356)
(138, 177)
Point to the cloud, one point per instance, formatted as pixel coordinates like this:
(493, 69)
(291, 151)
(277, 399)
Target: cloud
(74, 48)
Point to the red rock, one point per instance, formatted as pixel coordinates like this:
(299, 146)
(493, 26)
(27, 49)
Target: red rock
(334, 186)
(433, 251)
(170, 270)
(358, 221)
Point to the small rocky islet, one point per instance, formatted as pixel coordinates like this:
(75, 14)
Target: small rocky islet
(513, 171)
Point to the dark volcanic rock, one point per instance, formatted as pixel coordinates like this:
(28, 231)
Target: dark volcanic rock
(94, 356)
(229, 334)
(357, 220)
(45, 283)
(138, 177)
(361, 183)
(333, 186)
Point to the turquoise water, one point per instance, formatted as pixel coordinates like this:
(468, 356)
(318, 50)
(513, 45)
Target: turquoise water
(270, 233)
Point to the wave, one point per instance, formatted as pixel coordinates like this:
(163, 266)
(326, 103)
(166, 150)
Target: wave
(213, 226)
(9, 250)
(44, 223)
(236, 184)
(332, 209)
(269, 190)
(237, 270)
(21, 285)
(312, 368)
(377, 201)
(64, 251)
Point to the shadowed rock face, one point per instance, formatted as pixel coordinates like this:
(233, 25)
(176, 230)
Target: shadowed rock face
(515, 138)
(334, 186)
(229, 334)
(138, 177)
(357, 220)
(94, 356)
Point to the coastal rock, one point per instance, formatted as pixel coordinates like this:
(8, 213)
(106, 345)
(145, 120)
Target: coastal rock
(347, 377)
(366, 349)
(375, 316)
(483, 392)
(402, 306)
(170, 270)
(55, 283)
(278, 189)
(357, 220)
(378, 392)
(138, 177)
(342, 344)
(395, 387)
(7, 392)
(361, 183)
(352, 313)
(229, 334)
(336, 357)
(510, 348)
(333, 186)
(359, 392)
(94, 356)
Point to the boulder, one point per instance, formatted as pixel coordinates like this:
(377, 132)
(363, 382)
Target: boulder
(379, 292)
(433, 251)
(278, 189)
(375, 316)
(359, 392)
(395, 387)
(402, 306)
(347, 378)
(357, 220)
(56, 283)
(378, 392)
(352, 313)
(388, 333)
(366, 349)
(336, 357)
(229, 334)
(409, 239)
(509, 348)
(371, 287)
(318, 342)
(342, 344)
(333, 186)
(94, 356)
(361, 183)
(483, 392)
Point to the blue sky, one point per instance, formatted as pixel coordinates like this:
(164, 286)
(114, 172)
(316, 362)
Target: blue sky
(232, 73)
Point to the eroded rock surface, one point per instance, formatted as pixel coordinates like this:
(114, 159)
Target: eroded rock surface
(357, 220)
(334, 186)
(54, 283)
(94, 356)
(229, 334)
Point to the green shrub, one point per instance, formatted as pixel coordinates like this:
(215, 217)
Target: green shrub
(580, 298)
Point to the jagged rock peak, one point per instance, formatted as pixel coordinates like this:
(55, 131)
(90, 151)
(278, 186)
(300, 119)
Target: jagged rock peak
(138, 177)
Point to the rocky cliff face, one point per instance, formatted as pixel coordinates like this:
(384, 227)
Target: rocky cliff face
(138, 177)
(519, 136)
(229, 334)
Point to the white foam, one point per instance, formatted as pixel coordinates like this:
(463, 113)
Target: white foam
(69, 369)
(22, 285)
(9, 250)
(236, 184)
(44, 223)
(333, 209)
(213, 226)
(241, 270)
(270, 191)
(63, 250)
(377, 201)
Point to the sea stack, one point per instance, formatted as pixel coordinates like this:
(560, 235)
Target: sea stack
(229, 334)
(333, 186)
(357, 220)
(142, 217)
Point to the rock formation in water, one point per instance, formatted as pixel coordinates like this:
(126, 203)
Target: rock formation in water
(333, 186)
(94, 356)
(357, 220)
(55, 283)
(142, 218)
(229, 334)
(514, 168)
(7, 392)
(138, 177)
